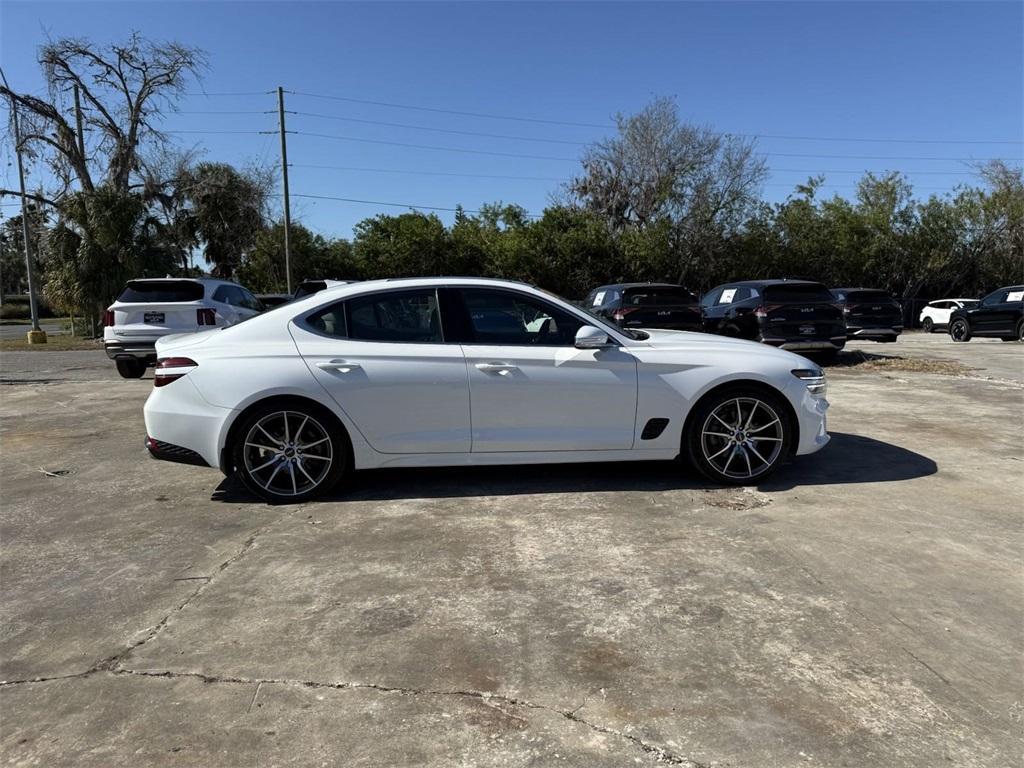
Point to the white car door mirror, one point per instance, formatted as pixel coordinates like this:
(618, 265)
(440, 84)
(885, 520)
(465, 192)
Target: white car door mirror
(589, 337)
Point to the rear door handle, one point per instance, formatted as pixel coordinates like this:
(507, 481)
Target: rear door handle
(499, 368)
(342, 366)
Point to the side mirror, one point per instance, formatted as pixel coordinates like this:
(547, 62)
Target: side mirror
(589, 337)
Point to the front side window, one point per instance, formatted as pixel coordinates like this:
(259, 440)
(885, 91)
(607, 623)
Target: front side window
(993, 298)
(500, 317)
(410, 316)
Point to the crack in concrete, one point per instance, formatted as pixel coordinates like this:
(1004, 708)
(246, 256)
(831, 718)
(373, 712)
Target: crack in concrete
(660, 754)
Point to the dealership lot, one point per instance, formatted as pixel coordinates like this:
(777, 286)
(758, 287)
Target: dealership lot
(861, 608)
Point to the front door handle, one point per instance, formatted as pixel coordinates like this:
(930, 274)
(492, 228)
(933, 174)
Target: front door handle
(499, 368)
(342, 366)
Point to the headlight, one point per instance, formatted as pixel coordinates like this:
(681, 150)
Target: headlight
(814, 378)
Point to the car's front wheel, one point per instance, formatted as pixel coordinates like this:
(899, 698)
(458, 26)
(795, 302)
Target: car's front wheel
(928, 326)
(739, 436)
(959, 330)
(290, 453)
(130, 367)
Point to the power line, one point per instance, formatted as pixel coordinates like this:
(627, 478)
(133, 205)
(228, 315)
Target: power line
(435, 148)
(451, 111)
(882, 157)
(231, 93)
(438, 130)
(223, 112)
(493, 116)
(393, 205)
(362, 169)
(216, 131)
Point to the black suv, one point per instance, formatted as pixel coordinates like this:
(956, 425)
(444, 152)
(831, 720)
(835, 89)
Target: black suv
(799, 315)
(999, 314)
(870, 313)
(646, 305)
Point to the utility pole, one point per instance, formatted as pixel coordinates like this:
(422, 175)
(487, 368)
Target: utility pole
(284, 179)
(36, 335)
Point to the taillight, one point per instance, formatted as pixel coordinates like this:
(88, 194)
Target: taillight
(108, 318)
(620, 314)
(206, 316)
(764, 309)
(170, 369)
(846, 309)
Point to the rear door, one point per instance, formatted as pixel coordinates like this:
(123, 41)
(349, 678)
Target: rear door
(872, 309)
(801, 311)
(531, 389)
(658, 306)
(384, 359)
(152, 308)
(999, 311)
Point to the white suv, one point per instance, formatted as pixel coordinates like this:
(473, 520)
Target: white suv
(150, 309)
(936, 314)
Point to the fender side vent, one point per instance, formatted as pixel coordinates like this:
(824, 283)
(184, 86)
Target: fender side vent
(653, 428)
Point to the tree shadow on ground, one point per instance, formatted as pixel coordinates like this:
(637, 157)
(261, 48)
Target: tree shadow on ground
(847, 459)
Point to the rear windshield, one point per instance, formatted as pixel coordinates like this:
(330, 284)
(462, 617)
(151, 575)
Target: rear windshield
(653, 297)
(869, 296)
(795, 293)
(161, 291)
(309, 287)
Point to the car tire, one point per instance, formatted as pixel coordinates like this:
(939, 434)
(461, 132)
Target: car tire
(130, 367)
(960, 330)
(739, 436)
(928, 326)
(1020, 331)
(289, 452)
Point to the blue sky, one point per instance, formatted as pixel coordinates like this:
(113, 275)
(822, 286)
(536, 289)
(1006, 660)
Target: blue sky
(911, 71)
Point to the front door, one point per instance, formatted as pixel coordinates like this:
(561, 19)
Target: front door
(531, 389)
(384, 360)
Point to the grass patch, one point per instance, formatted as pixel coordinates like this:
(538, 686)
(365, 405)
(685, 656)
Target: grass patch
(865, 361)
(60, 343)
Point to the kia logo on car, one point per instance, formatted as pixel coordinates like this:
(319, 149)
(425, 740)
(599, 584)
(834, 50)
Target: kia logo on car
(807, 309)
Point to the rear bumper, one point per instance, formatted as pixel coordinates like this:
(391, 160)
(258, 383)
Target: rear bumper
(176, 453)
(142, 350)
(874, 334)
(807, 345)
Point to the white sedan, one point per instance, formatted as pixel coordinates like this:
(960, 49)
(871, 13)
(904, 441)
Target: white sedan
(466, 371)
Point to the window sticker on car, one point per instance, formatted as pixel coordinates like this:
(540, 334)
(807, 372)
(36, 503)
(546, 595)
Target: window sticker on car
(599, 299)
(1015, 296)
(727, 296)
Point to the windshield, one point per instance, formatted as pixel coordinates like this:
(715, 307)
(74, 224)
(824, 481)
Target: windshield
(812, 292)
(869, 296)
(160, 291)
(657, 296)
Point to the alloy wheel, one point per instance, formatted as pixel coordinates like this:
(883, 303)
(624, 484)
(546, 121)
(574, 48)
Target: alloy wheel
(288, 453)
(742, 438)
(958, 330)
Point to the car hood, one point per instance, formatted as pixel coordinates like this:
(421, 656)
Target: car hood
(693, 342)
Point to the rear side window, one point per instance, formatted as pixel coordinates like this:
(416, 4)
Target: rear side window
(657, 297)
(330, 321)
(405, 316)
(798, 293)
(869, 297)
(161, 291)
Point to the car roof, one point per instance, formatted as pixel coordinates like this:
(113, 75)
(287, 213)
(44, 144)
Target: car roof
(766, 283)
(643, 285)
(211, 280)
(879, 290)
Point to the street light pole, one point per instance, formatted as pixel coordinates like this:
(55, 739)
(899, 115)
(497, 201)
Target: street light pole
(36, 335)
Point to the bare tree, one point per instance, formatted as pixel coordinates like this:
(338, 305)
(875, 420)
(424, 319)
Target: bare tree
(660, 168)
(124, 89)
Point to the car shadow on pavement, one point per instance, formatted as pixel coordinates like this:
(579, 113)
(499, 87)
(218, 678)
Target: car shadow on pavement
(847, 459)
(851, 459)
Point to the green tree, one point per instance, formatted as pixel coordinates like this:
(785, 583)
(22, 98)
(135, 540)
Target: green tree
(312, 256)
(407, 245)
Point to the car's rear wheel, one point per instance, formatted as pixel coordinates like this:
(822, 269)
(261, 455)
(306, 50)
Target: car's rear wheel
(959, 330)
(291, 453)
(130, 367)
(1020, 331)
(928, 326)
(739, 436)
